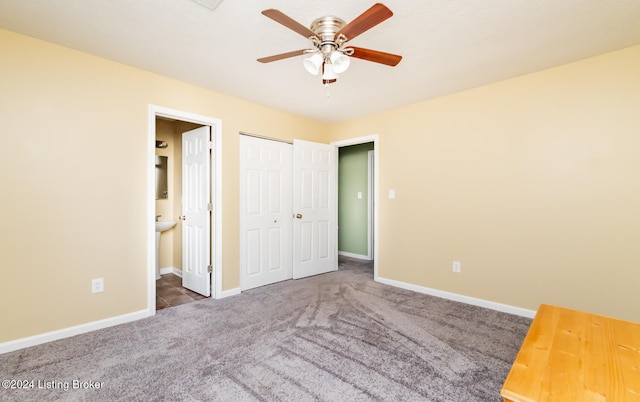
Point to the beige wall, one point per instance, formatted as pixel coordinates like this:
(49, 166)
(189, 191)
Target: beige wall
(73, 165)
(532, 183)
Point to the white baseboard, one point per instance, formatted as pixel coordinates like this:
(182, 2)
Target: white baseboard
(71, 331)
(460, 298)
(353, 255)
(229, 293)
(171, 270)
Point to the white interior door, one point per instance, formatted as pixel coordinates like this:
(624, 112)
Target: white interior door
(265, 212)
(315, 229)
(196, 210)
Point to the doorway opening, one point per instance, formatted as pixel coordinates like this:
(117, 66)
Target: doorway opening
(165, 205)
(169, 280)
(358, 202)
(355, 203)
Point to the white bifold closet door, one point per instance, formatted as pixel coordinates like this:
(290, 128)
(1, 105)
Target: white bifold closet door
(315, 228)
(288, 201)
(265, 212)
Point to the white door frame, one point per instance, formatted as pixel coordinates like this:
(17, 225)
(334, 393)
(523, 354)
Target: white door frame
(362, 140)
(216, 238)
(370, 204)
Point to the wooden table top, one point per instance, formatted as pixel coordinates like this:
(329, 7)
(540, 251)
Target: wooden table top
(570, 355)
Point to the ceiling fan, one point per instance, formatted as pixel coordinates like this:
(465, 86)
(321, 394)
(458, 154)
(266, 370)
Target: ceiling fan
(329, 35)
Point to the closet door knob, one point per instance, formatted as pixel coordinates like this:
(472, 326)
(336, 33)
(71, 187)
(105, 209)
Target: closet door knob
(298, 216)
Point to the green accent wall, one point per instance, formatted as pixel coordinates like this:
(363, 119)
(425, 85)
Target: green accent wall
(352, 212)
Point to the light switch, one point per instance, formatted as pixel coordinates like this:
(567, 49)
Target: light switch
(392, 194)
(359, 195)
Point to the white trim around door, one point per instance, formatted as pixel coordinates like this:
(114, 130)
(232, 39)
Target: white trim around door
(216, 233)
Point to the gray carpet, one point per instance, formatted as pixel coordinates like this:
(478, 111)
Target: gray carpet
(334, 337)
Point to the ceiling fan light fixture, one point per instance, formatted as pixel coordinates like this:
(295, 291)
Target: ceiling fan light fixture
(340, 62)
(328, 72)
(313, 63)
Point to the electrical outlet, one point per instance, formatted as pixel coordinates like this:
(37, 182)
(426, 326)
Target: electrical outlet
(97, 285)
(456, 266)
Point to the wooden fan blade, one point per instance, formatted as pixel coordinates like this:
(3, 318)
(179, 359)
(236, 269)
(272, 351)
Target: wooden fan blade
(281, 18)
(375, 56)
(365, 21)
(282, 56)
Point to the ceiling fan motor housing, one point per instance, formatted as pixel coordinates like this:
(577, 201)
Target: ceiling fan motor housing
(326, 29)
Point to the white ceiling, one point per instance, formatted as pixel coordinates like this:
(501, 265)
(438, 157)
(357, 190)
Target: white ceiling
(447, 45)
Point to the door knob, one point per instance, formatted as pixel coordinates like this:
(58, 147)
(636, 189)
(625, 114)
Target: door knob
(298, 216)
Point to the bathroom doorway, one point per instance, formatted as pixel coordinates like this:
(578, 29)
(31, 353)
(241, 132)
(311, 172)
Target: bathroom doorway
(168, 207)
(166, 128)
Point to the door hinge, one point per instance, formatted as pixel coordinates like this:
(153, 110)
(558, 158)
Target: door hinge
(210, 144)
(210, 206)
(209, 268)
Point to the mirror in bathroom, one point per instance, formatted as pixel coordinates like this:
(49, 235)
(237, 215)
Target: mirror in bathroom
(162, 191)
